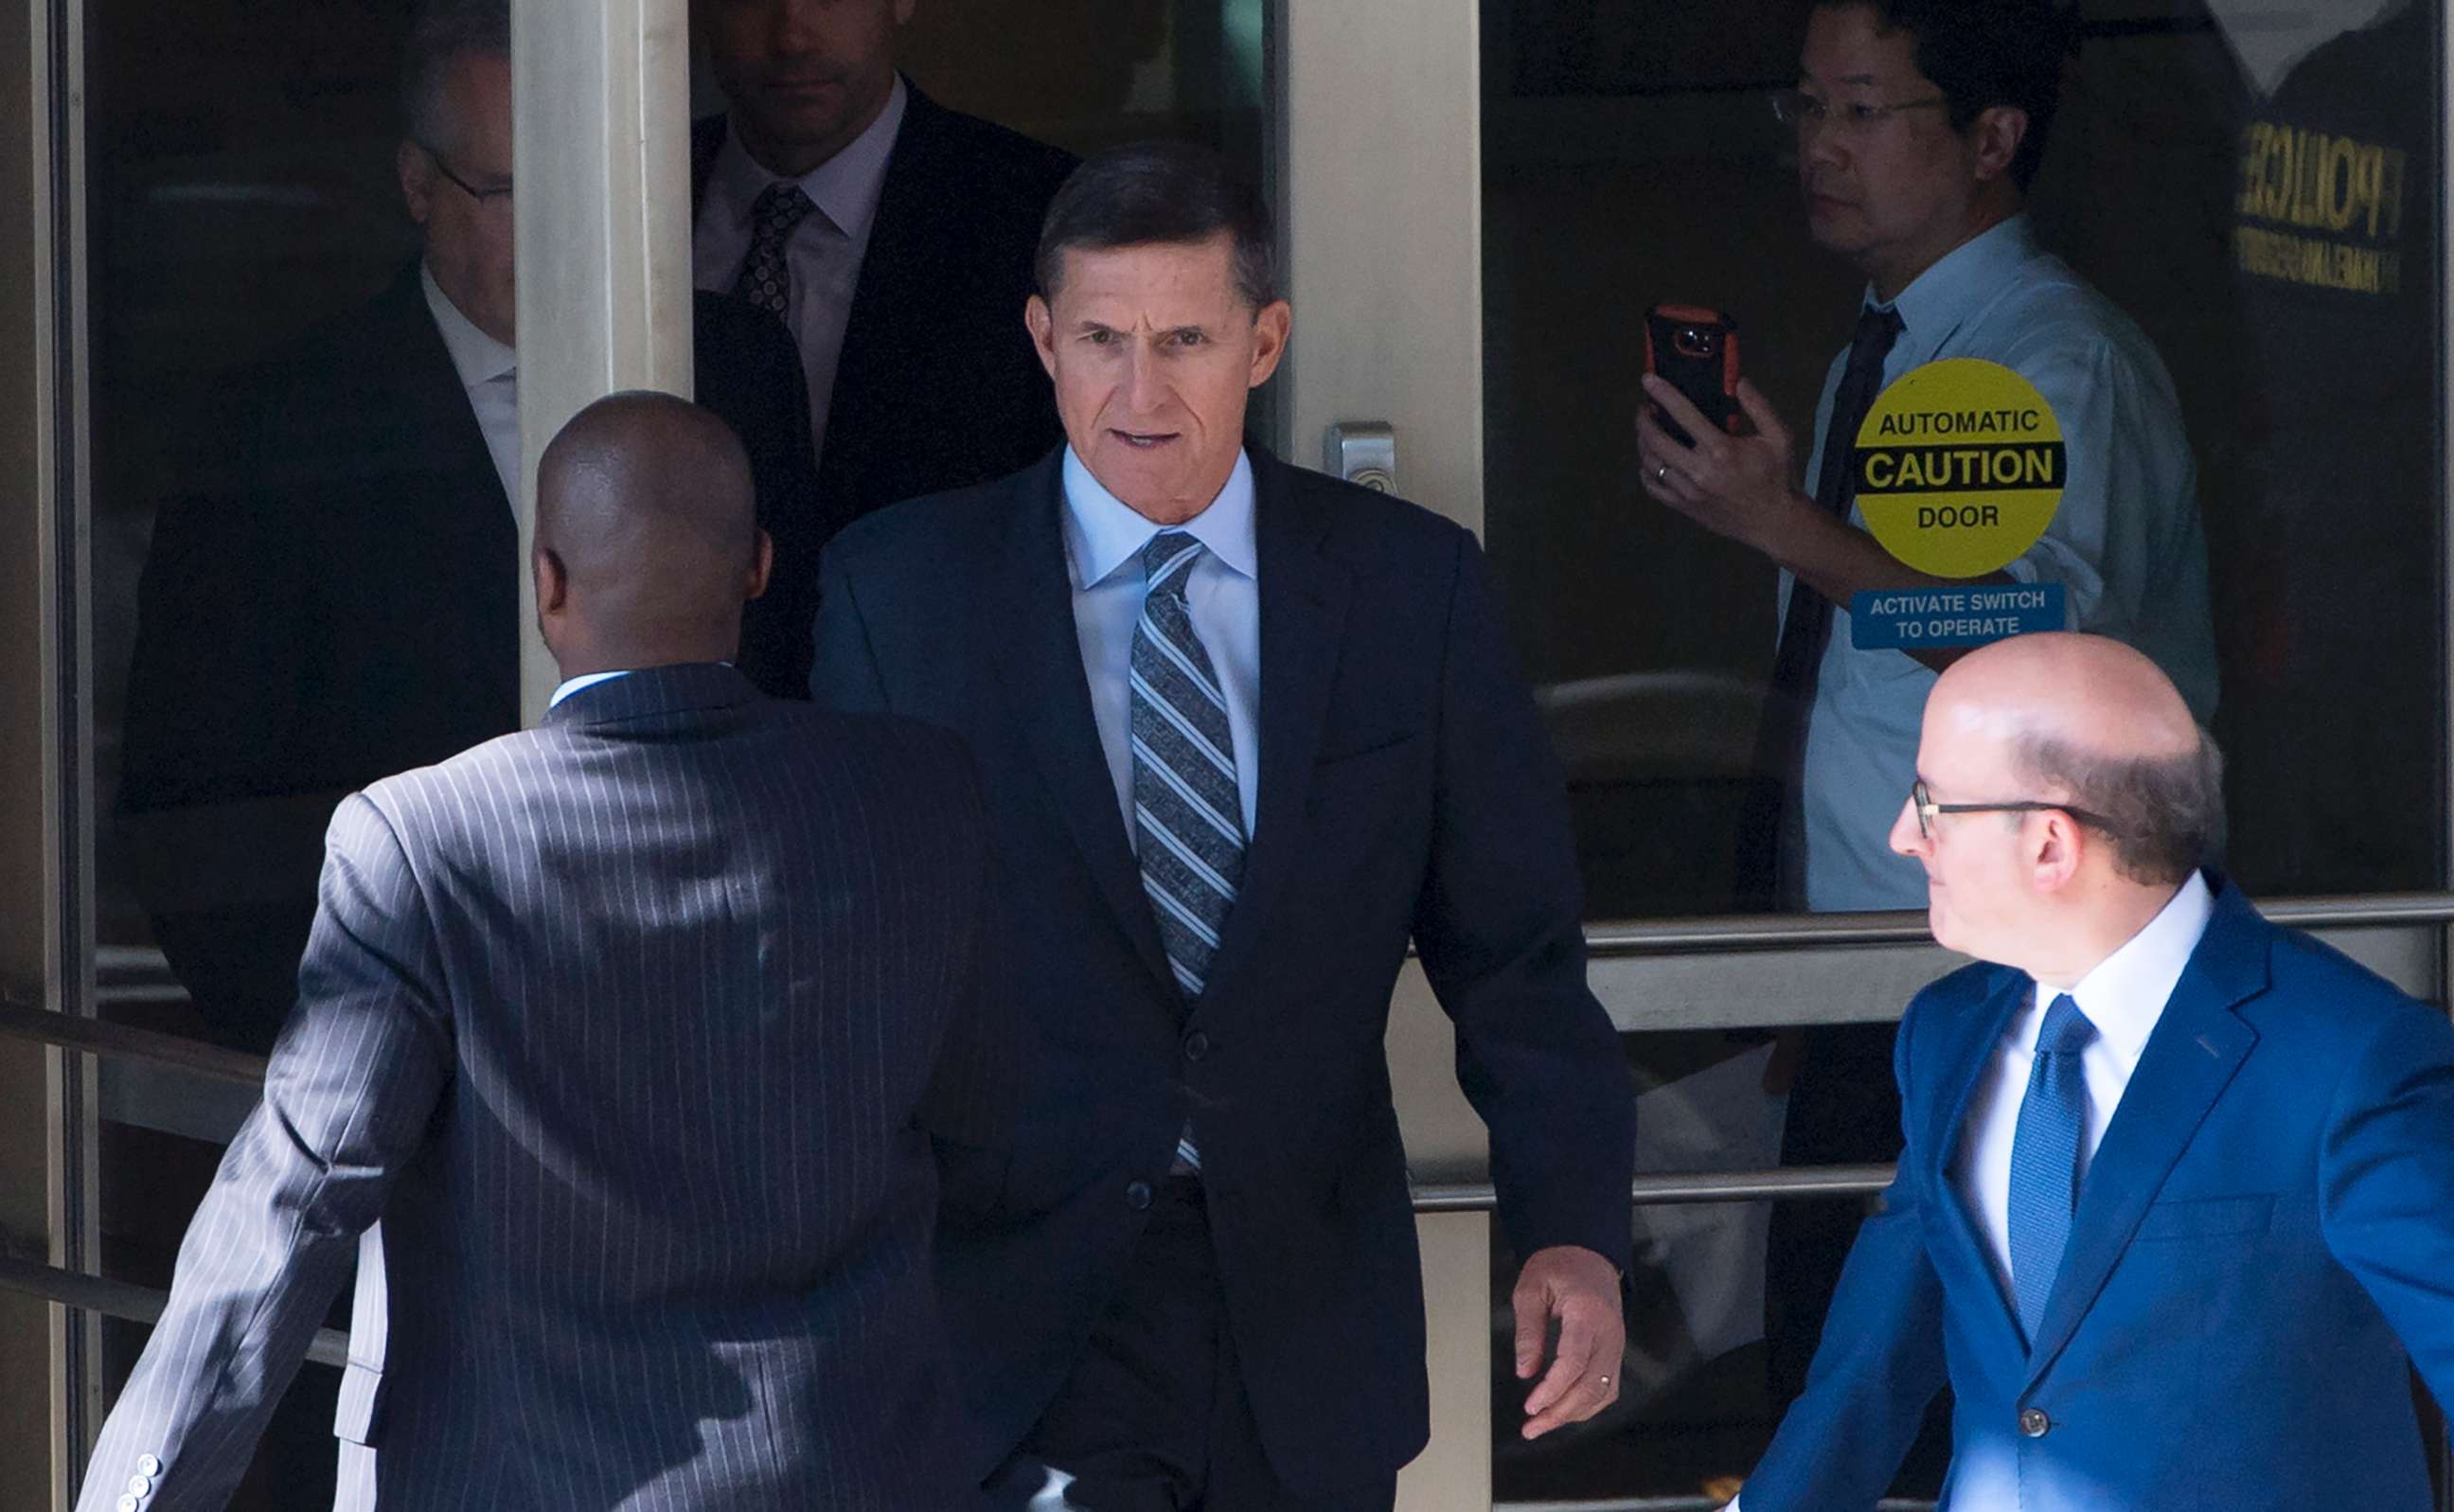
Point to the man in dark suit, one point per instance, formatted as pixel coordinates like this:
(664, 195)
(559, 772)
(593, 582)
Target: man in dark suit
(892, 235)
(2173, 1216)
(636, 1030)
(350, 608)
(1246, 732)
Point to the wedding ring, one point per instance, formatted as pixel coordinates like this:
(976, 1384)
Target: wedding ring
(1661, 474)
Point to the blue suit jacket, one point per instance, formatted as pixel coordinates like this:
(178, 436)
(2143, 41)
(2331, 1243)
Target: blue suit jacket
(1406, 791)
(636, 1030)
(2265, 1246)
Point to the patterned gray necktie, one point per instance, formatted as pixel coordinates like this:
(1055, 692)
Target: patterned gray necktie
(766, 278)
(1188, 815)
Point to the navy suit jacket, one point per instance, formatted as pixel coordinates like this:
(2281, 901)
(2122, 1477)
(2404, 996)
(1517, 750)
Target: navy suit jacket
(636, 1030)
(1406, 792)
(2264, 1248)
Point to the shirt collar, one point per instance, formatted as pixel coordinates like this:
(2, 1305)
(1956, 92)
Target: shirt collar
(590, 680)
(847, 186)
(477, 356)
(572, 685)
(1940, 298)
(2126, 992)
(1102, 532)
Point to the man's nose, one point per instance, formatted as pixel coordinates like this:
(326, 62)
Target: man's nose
(1906, 838)
(1145, 385)
(1818, 142)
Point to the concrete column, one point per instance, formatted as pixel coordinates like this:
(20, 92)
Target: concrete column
(601, 162)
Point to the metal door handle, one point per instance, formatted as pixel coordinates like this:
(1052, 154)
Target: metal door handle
(1364, 452)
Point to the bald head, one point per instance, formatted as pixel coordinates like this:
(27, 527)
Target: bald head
(2092, 722)
(647, 536)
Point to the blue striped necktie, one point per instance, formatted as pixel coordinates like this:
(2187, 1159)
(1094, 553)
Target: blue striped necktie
(1188, 814)
(2044, 1159)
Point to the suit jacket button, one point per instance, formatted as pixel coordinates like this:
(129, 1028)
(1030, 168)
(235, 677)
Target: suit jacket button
(1137, 1195)
(139, 1485)
(128, 1503)
(2034, 1422)
(1196, 1044)
(147, 1464)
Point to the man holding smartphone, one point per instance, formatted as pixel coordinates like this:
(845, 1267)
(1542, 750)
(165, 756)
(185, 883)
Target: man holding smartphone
(1920, 124)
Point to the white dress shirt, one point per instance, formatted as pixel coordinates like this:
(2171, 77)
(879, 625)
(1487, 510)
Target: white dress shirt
(2123, 996)
(824, 253)
(1103, 542)
(489, 372)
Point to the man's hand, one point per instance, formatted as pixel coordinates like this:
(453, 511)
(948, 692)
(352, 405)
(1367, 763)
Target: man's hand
(1581, 1289)
(1740, 486)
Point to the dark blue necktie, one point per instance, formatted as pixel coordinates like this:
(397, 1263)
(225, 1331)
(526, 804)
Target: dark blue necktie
(2044, 1159)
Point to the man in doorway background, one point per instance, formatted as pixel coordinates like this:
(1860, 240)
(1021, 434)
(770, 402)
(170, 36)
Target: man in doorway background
(1920, 124)
(352, 610)
(892, 235)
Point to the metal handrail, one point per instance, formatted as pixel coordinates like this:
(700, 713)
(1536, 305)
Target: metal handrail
(138, 1304)
(1775, 932)
(1686, 1187)
(102, 1038)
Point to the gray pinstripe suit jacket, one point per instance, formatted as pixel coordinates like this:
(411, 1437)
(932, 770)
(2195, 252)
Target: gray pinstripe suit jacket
(637, 1031)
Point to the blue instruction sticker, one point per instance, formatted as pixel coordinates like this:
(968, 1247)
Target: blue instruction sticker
(1910, 618)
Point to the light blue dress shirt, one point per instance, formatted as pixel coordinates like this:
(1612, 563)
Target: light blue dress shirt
(1103, 541)
(2125, 545)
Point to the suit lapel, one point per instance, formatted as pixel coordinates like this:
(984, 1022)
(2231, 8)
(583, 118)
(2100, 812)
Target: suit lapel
(2198, 1045)
(1304, 597)
(1962, 1064)
(1039, 655)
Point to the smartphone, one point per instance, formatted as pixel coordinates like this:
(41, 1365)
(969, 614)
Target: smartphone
(1697, 350)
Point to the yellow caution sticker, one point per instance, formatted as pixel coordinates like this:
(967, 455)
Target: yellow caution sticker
(1959, 466)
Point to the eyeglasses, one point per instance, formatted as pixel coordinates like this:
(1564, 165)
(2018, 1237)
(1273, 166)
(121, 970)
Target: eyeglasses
(1799, 109)
(1921, 799)
(482, 196)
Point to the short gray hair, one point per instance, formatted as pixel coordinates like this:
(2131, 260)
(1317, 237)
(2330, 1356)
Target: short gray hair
(2163, 814)
(445, 31)
(1153, 193)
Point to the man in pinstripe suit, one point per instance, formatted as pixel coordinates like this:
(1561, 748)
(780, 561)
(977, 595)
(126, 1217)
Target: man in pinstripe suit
(642, 1032)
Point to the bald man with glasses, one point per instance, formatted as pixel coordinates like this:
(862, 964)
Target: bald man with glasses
(2175, 1217)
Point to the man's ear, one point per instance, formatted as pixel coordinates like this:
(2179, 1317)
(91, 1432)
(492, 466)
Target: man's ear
(1042, 324)
(552, 583)
(1270, 328)
(2059, 843)
(763, 562)
(417, 172)
(1997, 133)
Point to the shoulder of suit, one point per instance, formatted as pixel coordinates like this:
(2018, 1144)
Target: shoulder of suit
(995, 154)
(2310, 982)
(933, 528)
(1371, 529)
(1967, 988)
